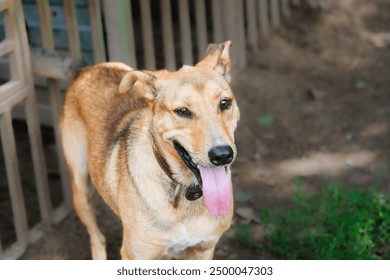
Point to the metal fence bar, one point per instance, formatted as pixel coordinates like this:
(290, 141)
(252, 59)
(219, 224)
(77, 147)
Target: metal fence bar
(147, 35)
(96, 20)
(168, 39)
(72, 29)
(201, 28)
(185, 32)
(55, 98)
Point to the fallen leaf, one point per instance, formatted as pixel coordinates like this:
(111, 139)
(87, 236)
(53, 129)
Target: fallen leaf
(316, 93)
(257, 232)
(247, 214)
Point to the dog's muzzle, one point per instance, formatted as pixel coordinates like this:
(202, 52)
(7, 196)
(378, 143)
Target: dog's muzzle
(194, 191)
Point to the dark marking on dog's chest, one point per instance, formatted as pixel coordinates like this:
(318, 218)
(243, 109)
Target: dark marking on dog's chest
(127, 131)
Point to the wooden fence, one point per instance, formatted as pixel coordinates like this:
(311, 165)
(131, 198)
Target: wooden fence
(143, 33)
(20, 90)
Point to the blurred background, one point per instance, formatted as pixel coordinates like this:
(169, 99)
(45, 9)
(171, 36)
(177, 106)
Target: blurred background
(312, 80)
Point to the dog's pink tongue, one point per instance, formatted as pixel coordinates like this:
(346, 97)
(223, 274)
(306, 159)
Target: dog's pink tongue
(217, 190)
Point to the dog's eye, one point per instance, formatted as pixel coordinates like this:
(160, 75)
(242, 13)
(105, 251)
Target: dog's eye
(183, 112)
(225, 104)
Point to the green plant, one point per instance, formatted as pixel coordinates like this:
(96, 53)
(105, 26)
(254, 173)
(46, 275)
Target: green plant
(339, 223)
(243, 237)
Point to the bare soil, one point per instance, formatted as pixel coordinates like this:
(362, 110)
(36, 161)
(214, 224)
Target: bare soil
(323, 83)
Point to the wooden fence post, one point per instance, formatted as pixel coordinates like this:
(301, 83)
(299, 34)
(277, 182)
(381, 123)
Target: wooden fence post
(55, 98)
(147, 35)
(201, 28)
(120, 31)
(168, 37)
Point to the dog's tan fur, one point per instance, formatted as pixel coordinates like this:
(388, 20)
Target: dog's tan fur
(118, 126)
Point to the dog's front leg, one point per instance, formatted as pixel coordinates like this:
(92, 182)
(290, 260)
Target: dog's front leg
(201, 252)
(141, 249)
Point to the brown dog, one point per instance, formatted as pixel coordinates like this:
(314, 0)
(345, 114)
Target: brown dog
(153, 144)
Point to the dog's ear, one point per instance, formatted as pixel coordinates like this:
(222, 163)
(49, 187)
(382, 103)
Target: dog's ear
(138, 83)
(218, 58)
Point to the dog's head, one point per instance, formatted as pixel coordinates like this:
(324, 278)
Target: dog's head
(195, 115)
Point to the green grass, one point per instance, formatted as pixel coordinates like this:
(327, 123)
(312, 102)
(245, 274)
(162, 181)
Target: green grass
(243, 238)
(339, 223)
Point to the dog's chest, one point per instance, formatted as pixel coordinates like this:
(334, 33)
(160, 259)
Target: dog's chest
(183, 239)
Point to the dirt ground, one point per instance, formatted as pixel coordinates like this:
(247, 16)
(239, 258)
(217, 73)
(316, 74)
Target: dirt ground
(315, 103)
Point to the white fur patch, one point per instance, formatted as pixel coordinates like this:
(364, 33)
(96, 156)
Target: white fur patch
(183, 241)
(111, 167)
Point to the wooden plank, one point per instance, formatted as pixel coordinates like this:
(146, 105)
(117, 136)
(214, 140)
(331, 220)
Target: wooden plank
(13, 252)
(240, 37)
(231, 29)
(1, 251)
(46, 25)
(56, 105)
(96, 20)
(8, 93)
(201, 27)
(33, 125)
(263, 17)
(218, 32)
(285, 8)
(168, 39)
(185, 32)
(275, 13)
(72, 29)
(40, 171)
(55, 98)
(296, 2)
(11, 32)
(14, 180)
(60, 213)
(147, 35)
(6, 47)
(230, 24)
(252, 23)
(35, 234)
(120, 32)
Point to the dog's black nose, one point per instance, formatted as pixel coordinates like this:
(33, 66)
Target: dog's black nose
(221, 155)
